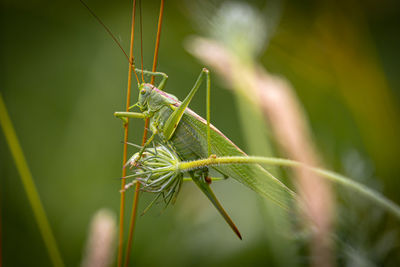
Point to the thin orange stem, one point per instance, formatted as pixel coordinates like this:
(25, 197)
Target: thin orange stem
(135, 204)
(155, 58)
(141, 38)
(128, 96)
(146, 126)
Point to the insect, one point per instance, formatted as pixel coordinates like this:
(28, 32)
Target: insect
(192, 137)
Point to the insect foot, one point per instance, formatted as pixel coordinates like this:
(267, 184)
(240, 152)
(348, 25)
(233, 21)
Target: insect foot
(133, 161)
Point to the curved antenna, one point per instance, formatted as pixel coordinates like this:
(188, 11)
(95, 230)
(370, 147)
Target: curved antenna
(131, 61)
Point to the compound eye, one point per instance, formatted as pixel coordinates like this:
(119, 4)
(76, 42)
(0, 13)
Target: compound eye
(143, 91)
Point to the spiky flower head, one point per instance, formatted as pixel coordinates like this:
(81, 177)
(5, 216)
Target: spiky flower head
(156, 170)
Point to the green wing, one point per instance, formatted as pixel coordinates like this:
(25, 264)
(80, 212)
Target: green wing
(190, 141)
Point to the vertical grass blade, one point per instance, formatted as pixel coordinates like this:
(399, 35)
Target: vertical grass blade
(29, 185)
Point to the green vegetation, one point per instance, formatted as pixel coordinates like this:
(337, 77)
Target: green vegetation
(63, 78)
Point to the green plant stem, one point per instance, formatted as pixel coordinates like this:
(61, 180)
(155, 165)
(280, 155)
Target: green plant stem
(332, 176)
(29, 185)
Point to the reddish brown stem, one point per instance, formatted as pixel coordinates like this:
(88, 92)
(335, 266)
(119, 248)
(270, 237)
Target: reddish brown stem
(128, 96)
(137, 187)
(157, 40)
(134, 205)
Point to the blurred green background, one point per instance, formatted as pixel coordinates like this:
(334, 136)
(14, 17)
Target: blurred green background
(62, 77)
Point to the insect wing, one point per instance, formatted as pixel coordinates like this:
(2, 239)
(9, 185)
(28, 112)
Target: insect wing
(251, 175)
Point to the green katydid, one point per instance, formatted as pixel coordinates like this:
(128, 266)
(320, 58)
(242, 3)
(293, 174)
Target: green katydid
(191, 137)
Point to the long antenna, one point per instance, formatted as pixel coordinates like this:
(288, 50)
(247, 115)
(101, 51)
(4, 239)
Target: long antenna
(130, 59)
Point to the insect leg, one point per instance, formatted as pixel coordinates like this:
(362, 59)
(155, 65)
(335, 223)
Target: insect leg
(123, 115)
(173, 120)
(147, 143)
(208, 113)
(200, 180)
(164, 76)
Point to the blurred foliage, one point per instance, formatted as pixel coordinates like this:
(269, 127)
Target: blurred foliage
(62, 77)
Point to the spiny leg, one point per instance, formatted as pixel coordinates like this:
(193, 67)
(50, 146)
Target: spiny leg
(199, 177)
(124, 117)
(146, 144)
(208, 105)
(173, 120)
